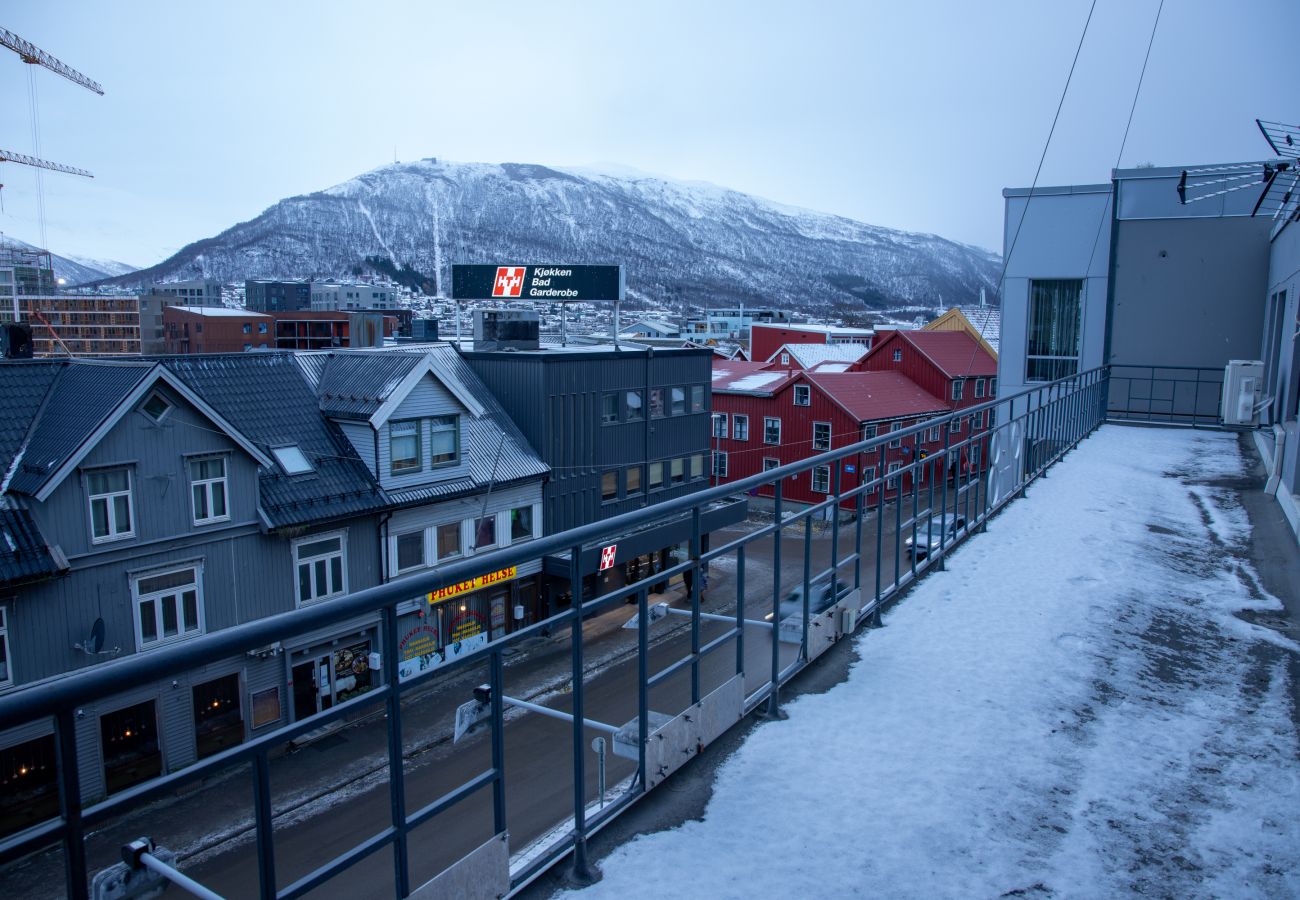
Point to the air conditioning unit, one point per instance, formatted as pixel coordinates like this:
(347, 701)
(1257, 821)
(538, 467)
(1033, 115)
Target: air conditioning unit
(1243, 383)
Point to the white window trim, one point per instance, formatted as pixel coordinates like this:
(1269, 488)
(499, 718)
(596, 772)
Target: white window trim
(719, 423)
(776, 463)
(343, 552)
(206, 484)
(537, 523)
(898, 354)
(137, 599)
(129, 493)
(720, 469)
(393, 569)
(826, 489)
(891, 476)
(957, 388)
(807, 394)
(829, 436)
(896, 442)
(777, 442)
(736, 422)
(979, 388)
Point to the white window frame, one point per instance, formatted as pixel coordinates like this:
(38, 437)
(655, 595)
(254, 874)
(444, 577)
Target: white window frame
(896, 442)
(957, 391)
(460, 540)
(740, 428)
(891, 479)
(898, 354)
(138, 600)
(207, 486)
(310, 561)
(777, 420)
(785, 359)
(815, 443)
(868, 432)
(775, 463)
(536, 530)
(108, 499)
(932, 435)
(868, 474)
(394, 566)
(803, 391)
(720, 464)
(955, 426)
(979, 388)
(818, 473)
(7, 673)
(719, 424)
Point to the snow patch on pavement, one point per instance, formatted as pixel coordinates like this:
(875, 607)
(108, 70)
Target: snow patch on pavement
(1073, 708)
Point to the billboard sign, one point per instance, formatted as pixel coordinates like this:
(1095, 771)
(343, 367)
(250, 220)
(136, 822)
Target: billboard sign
(543, 284)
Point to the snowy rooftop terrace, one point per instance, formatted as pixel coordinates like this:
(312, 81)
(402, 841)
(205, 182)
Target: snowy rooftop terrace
(1075, 707)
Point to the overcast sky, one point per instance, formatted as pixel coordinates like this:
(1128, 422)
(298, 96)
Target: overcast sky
(902, 114)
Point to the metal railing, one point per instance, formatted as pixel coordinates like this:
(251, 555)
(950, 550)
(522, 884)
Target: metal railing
(940, 498)
(1167, 395)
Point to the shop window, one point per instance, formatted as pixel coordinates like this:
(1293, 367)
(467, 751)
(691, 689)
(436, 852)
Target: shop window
(740, 428)
(321, 563)
(697, 398)
(677, 471)
(609, 485)
(656, 403)
(821, 479)
(678, 395)
(821, 436)
(719, 425)
(218, 718)
(129, 738)
(521, 523)
(802, 395)
(404, 447)
(409, 550)
(266, 707)
(632, 478)
(609, 409)
(208, 490)
(168, 606)
(656, 475)
(485, 533)
(633, 401)
(771, 430)
(111, 516)
(697, 466)
(29, 791)
(449, 540)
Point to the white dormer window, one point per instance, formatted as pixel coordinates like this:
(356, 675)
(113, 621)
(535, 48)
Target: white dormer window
(404, 447)
(785, 359)
(898, 355)
(444, 440)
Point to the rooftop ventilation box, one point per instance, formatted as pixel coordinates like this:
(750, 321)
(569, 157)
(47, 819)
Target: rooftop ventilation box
(1243, 383)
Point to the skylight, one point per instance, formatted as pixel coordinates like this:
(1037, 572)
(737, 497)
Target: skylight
(292, 460)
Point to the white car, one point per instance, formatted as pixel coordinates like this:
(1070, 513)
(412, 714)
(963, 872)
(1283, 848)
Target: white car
(930, 537)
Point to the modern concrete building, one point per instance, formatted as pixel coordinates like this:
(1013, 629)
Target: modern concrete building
(333, 296)
(268, 295)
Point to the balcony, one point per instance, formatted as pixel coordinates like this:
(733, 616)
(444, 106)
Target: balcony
(1089, 689)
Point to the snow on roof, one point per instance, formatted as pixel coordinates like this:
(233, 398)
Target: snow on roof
(740, 375)
(831, 367)
(221, 311)
(987, 321)
(818, 329)
(1066, 708)
(809, 355)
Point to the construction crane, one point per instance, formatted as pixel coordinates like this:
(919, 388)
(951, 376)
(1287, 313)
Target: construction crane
(33, 55)
(10, 156)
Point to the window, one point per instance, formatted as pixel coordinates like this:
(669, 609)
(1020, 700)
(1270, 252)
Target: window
(485, 533)
(975, 456)
(404, 447)
(740, 428)
(447, 540)
(979, 387)
(802, 395)
(634, 411)
(821, 479)
(1054, 312)
(677, 471)
(678, 395)
(609, 485)
(261, 328)
(155, 407)
(410, 550)
(892, 483)
(720, 465)
(319, 561)
(208, 489)
(821, 436)
(955, 427)
(785, 359)
(291, 459)
(932, 434)
(868, 432)
(444, 440)
(168, 607)
(609, 409)
(697, 398)
(898, 355)
(977, 421)
(770, 462)
(719, 425)
(248, 347)
(218, 715)
(248, 328)
(6, 673)
(521, 524)
(771, 430)
(110, 505)
(656, 403)
(632, 479)
(697, 466)
(868, 474)
(656, 475)
(957, 384)
(896, 426)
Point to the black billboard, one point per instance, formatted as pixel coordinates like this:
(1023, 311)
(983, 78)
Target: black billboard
(542, 284)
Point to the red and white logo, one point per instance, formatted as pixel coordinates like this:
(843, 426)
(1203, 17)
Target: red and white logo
(607, 557)
(509, 281)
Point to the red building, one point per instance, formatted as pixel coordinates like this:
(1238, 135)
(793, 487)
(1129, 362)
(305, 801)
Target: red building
(216, 329)
(765, 340)
(766, 415)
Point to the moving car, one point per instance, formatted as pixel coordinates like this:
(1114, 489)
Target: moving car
(930, 536)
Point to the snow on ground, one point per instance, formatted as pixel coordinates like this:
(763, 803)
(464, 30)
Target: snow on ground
(1071, 710)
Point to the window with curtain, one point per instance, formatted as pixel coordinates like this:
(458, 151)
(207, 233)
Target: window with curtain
(1054, 328)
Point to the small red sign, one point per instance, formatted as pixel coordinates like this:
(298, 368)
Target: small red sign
(607, 557)
(509, 281)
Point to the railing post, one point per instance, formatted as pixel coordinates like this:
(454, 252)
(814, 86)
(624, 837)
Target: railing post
(773, 698)
(695, 604)
(835, 526)
(265, 826)
(497, 681)
(642, 680)
(740, 610)
(74, 838)
(396, 775)
(807, 585)
(859, 508)
(582, 871)
(882, 475)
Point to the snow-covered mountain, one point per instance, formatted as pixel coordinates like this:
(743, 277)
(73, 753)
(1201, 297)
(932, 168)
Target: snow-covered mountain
(76, 270)
(681, 242)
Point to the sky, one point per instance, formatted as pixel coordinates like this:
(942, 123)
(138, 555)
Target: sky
(896, 114)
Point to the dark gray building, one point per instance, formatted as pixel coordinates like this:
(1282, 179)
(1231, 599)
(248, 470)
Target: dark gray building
(620, 429)
(265, 295)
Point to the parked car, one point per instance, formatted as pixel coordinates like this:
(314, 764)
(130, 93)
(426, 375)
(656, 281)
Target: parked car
(929, 537)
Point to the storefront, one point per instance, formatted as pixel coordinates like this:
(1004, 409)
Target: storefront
(324, 675)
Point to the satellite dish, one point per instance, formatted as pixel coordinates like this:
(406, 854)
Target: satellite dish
(96, 641)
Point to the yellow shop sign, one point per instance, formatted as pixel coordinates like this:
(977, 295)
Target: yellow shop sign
(473, 584)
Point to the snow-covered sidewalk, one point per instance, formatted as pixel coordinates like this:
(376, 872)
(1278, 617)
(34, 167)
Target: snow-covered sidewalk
(1071, 710)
